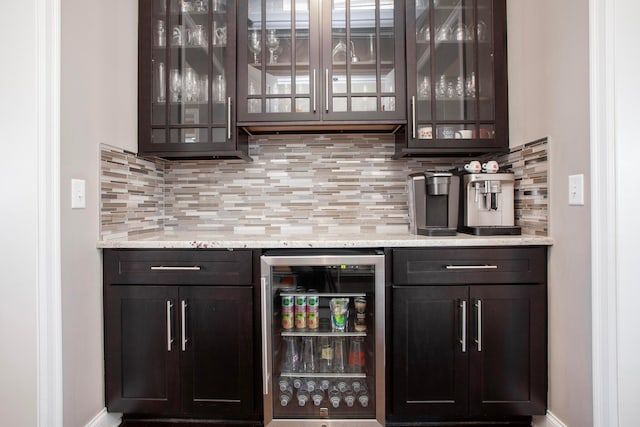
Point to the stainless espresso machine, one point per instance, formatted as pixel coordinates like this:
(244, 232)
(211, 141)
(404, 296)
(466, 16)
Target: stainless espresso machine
(433, 203)
(486, 203)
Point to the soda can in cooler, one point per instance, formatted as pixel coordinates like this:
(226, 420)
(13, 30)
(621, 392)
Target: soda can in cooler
(287, 302)
(300, 311)
(313, 320)
(287, 319)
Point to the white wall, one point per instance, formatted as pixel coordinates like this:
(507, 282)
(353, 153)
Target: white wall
(18, 216)
(98, 105)
(549, 96)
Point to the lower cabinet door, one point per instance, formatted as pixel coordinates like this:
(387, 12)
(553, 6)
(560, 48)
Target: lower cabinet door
(430, 373)
(141, 356)
(508, 357)
(217, 360)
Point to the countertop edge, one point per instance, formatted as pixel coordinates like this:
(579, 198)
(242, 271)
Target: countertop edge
(296, 242)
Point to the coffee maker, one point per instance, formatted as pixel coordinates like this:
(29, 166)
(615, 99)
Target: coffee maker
(486, 204)
(433, 203)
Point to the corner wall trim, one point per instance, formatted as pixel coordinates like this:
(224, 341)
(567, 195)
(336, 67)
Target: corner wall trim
(105, 419)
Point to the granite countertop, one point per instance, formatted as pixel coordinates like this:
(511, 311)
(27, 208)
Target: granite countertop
(203, 240)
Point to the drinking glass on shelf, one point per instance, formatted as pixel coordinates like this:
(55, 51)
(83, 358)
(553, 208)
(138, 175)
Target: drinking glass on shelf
(161, 89)
(443, 33)
(424, 88)
(272, 43)
(190, 85)
(175, 85)
(255, 45)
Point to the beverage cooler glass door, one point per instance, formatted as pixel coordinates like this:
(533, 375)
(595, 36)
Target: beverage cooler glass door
(323, 339)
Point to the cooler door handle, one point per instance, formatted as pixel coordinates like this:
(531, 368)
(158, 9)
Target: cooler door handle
(265, 337)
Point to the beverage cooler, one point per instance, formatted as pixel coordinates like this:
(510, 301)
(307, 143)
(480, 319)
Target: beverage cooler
(323, 338)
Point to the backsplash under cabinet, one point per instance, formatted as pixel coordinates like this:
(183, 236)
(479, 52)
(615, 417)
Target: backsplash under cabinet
(297, 184)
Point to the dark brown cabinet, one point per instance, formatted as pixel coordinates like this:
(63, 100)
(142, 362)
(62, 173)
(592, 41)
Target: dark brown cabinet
(187, 80)
(472, 346)
(175, 346)
(456, 78)
(311, 62)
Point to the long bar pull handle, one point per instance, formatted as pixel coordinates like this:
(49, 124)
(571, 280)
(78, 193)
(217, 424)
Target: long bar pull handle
(183, 315)
(463, 340)
(313, 91)
(175, 268)
(265, 338)
(326, 89)
(479, 324)
(413, 117)
(471, 267)
(229, 118)
(169, 326)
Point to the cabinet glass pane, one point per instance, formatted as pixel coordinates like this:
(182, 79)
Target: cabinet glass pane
(362, 24)
(278, 52)
(424, 86)
(188, 52)
(454, 58)
(484, 31)
(362, 55)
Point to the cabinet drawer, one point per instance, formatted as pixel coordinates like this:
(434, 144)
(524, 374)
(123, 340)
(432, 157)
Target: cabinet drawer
(492, 265)
(178, 267)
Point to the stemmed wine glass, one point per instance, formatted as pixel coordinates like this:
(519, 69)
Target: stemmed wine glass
(272, 44)
(255, 46)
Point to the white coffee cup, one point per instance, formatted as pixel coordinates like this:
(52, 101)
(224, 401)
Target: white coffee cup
(490, 167)
(473, 166)
(425, 132)
(464, 134)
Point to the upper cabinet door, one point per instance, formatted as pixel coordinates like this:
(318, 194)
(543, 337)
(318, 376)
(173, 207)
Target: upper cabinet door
(456, 75)
(363, 60)
(186, 76)
(278, 60)
(312, 60)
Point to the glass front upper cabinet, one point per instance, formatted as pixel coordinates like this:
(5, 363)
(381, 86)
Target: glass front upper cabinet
(186, 77)
(456, 76)
(312, 60)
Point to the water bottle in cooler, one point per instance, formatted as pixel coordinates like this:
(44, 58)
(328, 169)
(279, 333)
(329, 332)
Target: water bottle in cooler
(317, 396)
(302, 395)
(311, 384)
(297, 382)
(285, 396)
(324, 384)
(349, 397)
(283, 383)
(291, 355)
(335, 396)
(363, 395)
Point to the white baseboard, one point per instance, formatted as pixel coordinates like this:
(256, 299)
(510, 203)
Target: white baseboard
(105, 419)
(549, 420)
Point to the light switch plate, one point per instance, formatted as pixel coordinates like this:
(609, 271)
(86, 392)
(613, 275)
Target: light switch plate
(78, 195)
(576, 190)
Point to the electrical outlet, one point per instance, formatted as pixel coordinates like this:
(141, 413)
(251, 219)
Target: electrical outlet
(576, 190)
(78, 195)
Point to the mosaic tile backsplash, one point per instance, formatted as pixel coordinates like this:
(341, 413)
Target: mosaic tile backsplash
(305, 184)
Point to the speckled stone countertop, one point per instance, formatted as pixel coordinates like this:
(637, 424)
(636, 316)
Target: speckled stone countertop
(176, 240)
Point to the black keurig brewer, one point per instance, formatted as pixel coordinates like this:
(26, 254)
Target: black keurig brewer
(433, 203)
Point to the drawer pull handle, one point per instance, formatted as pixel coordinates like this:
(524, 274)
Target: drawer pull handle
(479, 324)
(463, 339)
(178, 268)
(471, 267)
